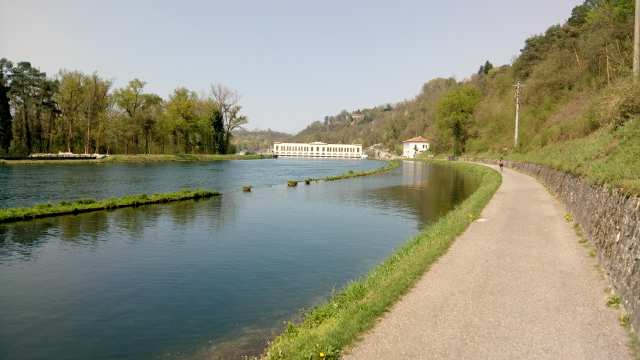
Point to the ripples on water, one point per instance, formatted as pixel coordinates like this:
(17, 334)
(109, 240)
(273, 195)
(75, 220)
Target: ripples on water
(207, 278)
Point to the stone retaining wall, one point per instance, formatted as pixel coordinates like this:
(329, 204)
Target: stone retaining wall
(611, 222)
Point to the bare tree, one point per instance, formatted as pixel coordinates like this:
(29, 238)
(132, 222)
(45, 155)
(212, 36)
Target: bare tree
(228, 100)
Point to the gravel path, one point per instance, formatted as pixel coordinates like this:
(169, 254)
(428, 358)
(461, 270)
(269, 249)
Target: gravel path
(516, 285)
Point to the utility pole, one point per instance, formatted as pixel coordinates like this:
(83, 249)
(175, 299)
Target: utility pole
(517, 86)
(636, 45)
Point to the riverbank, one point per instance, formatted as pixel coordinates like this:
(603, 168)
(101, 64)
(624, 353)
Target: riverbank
(241, 252)
(141, 158)
(89, 205)
(330, 327)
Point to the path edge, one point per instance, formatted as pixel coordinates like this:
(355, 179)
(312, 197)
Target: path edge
(608, 219)
(348, 314)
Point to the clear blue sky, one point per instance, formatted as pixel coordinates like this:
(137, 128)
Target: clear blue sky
(292, 61)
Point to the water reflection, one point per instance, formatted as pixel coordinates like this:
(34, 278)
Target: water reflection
(85, 229)
(452, 187)
(206, 277)
(20, 241)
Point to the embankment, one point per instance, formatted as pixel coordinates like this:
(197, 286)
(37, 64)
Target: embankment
(389, 166)
(89, 205)
(328, 328)
(393, 164)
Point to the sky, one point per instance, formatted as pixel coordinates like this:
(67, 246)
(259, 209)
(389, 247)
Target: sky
(293, 62)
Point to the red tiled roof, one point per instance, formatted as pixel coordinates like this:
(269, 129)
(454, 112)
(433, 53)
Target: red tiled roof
(418, 139)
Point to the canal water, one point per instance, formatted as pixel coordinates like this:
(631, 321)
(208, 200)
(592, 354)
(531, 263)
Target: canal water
(213, 278)
(27, 185)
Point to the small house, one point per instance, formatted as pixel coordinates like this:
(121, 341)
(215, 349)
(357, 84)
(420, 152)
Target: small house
(414, 146)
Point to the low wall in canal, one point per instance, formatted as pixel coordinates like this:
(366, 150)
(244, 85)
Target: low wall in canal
(611, 222)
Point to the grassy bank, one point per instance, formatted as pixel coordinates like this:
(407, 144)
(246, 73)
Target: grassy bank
(330, 327)
(88, 205)
(142, 158)
(609, 156)
(393, 164)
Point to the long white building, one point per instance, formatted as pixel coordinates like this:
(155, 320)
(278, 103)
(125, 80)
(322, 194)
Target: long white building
(318, 150)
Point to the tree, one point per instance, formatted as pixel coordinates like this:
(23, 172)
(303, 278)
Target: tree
(579, 13)
(27, 96)
(181, 109)
(454, 113)
(149, 118)
(227, 101)
(139, 113)
(485, 68)
(6, 133)
(49, 111)
(130, 100)
(96, 103)
(217, 126)
(70, 98)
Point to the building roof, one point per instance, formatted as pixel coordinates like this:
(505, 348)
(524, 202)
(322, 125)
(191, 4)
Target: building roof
(418, 139)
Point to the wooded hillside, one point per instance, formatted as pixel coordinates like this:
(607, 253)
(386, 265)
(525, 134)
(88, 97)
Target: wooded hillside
(576, 81)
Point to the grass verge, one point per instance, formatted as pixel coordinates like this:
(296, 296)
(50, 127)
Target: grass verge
(393, 164)
(88, 205)
(390, 165)
(634, 339)
(327, 329)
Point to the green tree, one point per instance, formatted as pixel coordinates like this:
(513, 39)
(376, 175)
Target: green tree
(138, 114)
(148, 118)
(217, 126)
(181, 109)
(48, 113)
(70, 98)
(27, 95)
(96, 103)
(454, 114)
(485, 68)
